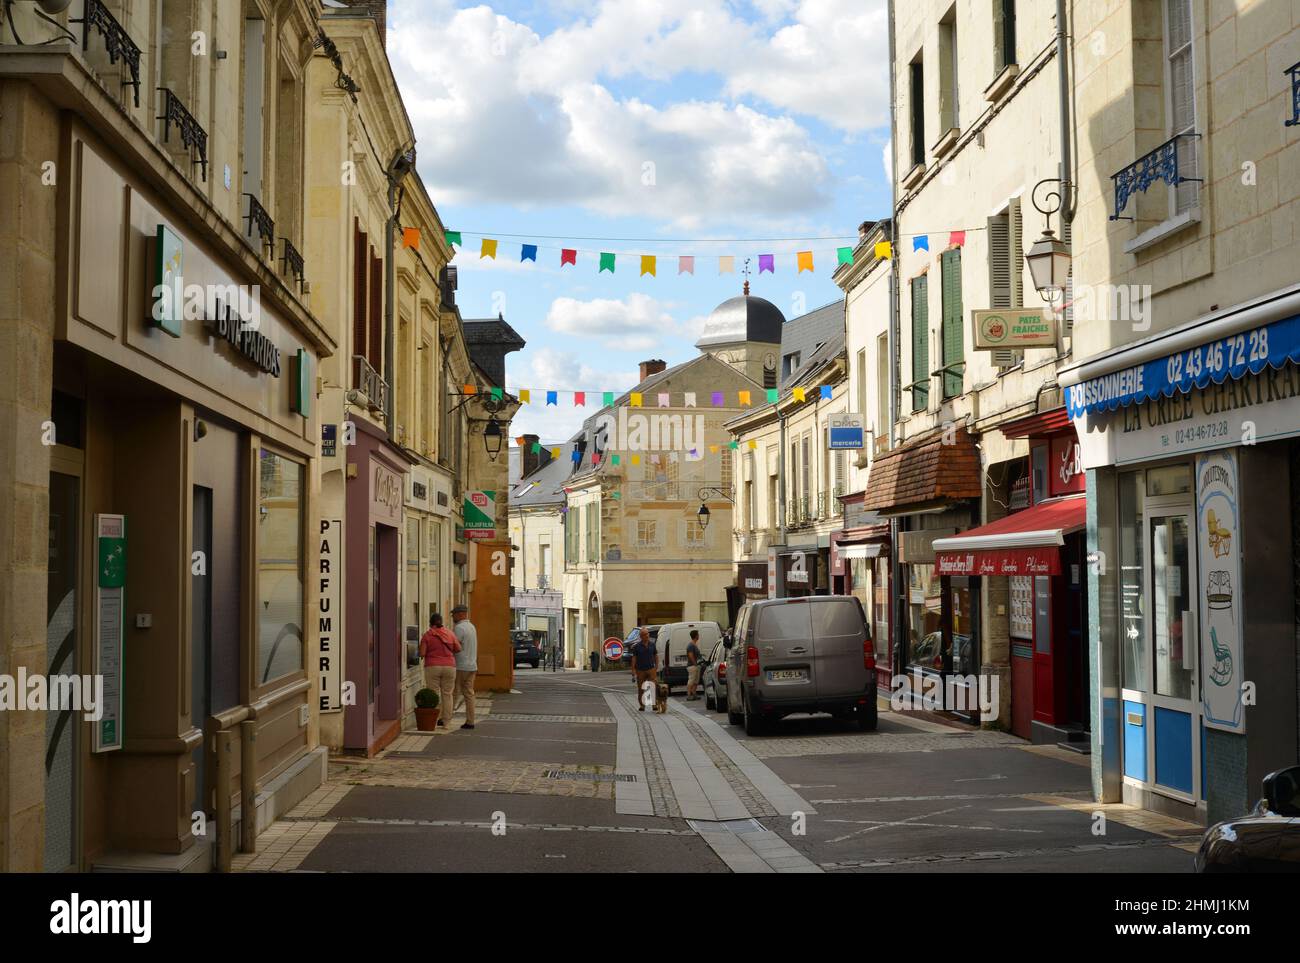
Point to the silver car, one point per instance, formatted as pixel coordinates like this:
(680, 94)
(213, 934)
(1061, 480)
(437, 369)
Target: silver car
(809, 654)
(715, 679)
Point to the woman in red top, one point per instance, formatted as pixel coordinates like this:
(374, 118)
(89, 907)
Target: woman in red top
(438, 648)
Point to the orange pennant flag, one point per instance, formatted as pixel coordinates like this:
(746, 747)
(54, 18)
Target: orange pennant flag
(744, 397)
(804, 261)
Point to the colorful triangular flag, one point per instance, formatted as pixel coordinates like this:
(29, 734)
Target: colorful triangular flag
(921, 242)
(608, 399)
(727, 265)
(452, 238)
(767, 262)
(488, 249)
(553, 398)
(686, 264)
(528, 252)
(525, 396)
(568, 255)
(606, 262)
(411, 237)
(580, 399)
(884, 250)
(689, 401)
(804, 261)
(647, 265)
(844, 255)
(956, 238)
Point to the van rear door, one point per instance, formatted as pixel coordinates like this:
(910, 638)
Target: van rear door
(839, 629)
(784, 639)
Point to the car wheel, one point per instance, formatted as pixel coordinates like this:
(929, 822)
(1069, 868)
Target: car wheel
(722, 703)
(709, 701)
(735, 718)
(867, 718)
(753, 724)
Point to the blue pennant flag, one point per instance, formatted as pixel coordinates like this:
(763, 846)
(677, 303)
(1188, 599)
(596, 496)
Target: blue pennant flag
(528, 253)
(577, 456)
(826, 391)
(552, 397)
(921, 242)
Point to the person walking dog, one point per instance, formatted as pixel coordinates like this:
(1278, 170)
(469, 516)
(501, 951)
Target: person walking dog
(438, 648)
(644, 658)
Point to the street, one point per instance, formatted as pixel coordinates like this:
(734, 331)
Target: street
(564, 775)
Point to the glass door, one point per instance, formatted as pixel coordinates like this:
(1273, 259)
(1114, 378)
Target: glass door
(62, 725)
(1173, 732)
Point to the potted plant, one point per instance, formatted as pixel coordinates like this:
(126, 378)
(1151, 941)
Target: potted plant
(426, 710)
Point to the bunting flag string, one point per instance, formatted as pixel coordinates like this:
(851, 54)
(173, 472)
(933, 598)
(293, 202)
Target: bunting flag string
(803, 259)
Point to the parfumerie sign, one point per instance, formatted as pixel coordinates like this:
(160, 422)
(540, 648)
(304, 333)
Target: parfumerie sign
(329, 617)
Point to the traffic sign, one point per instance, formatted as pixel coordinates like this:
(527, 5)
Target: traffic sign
(613, 648)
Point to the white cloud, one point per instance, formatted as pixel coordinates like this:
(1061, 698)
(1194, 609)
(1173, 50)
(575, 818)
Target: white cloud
(563, 371)
(636, 323)
(505, 115)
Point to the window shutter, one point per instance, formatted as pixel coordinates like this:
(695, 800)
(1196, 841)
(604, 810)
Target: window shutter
(375, 354)
(1067, 306)
(999, 263)
(1016, 254)
(952, 321)
(920, 344)
(360, 273)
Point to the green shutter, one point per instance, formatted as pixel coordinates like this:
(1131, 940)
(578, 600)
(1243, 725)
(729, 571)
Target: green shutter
(952, 322)
(920, 343)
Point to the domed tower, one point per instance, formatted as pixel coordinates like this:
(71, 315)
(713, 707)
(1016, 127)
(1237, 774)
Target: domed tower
(745, 332)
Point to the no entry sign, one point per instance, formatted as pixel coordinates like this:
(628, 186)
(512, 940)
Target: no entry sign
(613, 649)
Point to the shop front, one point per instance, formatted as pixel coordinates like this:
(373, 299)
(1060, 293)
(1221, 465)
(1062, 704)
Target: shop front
(801, 571)
(751, 579)
(428, 506)
(375, 654)
(181, 513)
(860, 566)
(1189, 440)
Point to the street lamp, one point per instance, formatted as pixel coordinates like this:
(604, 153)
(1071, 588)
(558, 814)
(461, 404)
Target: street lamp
(1049, 258)
(492, 438)
(702, 516)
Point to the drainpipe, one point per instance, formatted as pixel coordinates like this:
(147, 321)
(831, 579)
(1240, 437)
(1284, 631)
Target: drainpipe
(895, 372)
(390, 338)
(1063, 82)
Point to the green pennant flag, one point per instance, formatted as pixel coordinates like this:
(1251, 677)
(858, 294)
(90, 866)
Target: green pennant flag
(609, 399)
(772, 395)
(537, 449)
(734, 445)
(845, 255)
(453, 237)
(613, 459)
(606, 261)
(616, 495)
(496, 394)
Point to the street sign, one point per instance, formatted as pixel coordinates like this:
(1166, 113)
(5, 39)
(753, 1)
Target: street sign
(1013, 328)
(847, 431)
(613, 648)
(480, 515)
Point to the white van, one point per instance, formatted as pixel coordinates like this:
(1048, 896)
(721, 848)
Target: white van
(673, 639)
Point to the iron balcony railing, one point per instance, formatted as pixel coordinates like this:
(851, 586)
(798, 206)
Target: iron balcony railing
(367, 380)
(293, 263)
(1161, 164)
(193, 137)
(1294, 72)
(260, 220)
(117, 42)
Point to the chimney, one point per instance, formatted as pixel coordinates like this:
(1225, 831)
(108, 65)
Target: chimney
(377, 9)
(528, 462)
(652, 367)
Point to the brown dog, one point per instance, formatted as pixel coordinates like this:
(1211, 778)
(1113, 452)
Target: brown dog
(661, 697)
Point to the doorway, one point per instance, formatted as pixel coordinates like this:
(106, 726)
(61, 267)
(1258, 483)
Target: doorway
(62, 658)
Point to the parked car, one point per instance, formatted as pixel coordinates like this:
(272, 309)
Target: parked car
(671, 641)
(526, 648)
(1266, 841)
(715, 678)
(811, 654)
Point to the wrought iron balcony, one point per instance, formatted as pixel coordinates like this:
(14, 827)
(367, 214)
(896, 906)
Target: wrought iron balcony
(1294, 72)
(117, 42)
(293, 263)
(193, 137)
(260, 219)
(1160, 164)
(367, 380)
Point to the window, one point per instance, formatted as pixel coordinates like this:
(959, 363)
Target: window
(254, 93)
(881, 439)
(289, 155)
(772, 489)
(862, 381)
(411, 604)
(279, 567)
(953, 347)
(360, 299)
(647, 533)
(570, 537)
(433, 569)
(1004, 34)
(916, 86)
(791, 364)
(948, 107)
(805, 479)
(1180, 83)
(924, 615)
(591, 515)
(543, 565)
(920, 343)
(696, 534)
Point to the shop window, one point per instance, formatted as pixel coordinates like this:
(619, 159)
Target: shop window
(1169, 480)
(924, 618)
(412, 586)
(1132, 627)
(279, 567)
(1175, 654)
(432, 569)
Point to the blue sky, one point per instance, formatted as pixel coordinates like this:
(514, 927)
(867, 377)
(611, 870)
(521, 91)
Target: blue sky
(664, 122)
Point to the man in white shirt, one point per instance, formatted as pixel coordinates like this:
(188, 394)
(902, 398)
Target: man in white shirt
(466, 662)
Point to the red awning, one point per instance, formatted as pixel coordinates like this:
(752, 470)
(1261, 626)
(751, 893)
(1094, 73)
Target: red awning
(1024, 543)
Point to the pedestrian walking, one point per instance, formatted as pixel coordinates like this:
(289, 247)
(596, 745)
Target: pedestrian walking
(438, 648)
(644, 656)
(693, 666)
(466, 662)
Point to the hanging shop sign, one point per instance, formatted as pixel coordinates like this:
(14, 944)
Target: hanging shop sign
(329, 615)
(847, 431)
(480, 515)
(386, 493)
(1066, 474)
(1013, 328)
(110, 588)
(1218, 529)
(168, 269)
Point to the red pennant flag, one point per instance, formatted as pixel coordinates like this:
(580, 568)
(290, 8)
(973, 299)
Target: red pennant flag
(580, 398)
(956, 238)
(568, 255)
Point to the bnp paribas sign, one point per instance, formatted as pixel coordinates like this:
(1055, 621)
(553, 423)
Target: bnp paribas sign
(1013, 328)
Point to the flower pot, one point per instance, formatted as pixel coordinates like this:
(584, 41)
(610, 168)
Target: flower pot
(426, 720)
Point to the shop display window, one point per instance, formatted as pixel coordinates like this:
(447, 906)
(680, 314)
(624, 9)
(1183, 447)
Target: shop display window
(1131, 612)
(279, 567)
(924, 618)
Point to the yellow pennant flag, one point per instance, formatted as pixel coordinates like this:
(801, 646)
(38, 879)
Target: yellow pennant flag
(713, 448)
(525, 396)
(753, 443)
(648, 265)
(799, 394)
(489, 249)
(636, 399)
(804, 260)
(744, 397)
(555, 453)
(636, 459)
(884, 250)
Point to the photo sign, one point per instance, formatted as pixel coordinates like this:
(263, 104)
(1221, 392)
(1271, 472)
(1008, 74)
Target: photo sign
(1218, 530)
(480, 515)
(1013, 328)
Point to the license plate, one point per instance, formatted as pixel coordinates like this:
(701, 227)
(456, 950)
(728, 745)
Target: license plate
(786, 675)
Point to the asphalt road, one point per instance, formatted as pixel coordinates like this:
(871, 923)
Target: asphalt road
(533, 788)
